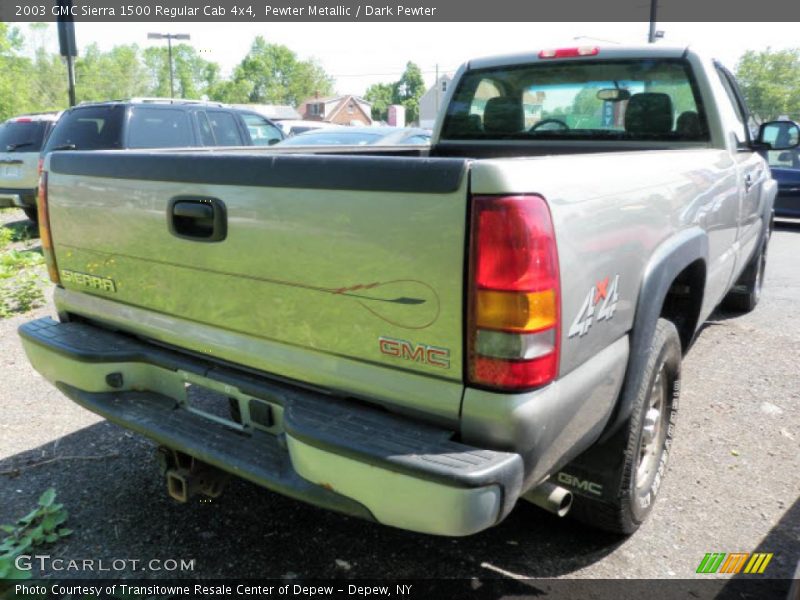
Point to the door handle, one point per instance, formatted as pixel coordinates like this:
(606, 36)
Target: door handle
(199, 219)
(748, 182)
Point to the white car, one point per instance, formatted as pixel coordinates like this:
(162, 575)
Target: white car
(292, 127)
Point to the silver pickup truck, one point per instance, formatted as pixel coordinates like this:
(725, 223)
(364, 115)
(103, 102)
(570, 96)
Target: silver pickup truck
(422, 337)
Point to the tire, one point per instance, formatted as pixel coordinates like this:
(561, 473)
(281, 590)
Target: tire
(744, 296)
(646, 441)
(32, 213)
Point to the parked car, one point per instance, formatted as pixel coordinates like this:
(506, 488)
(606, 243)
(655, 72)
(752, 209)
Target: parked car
(159, 123)
(21, 139)
(292, 127)
(360, 136)
(421, 336)
(785, 167)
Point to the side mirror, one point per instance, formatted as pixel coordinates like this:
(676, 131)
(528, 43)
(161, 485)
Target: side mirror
(273, 141)
(779, 135)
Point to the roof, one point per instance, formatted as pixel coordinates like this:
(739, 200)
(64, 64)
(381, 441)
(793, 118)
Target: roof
(328, 99)
(176, 101)
(618, 52)
(42, 116)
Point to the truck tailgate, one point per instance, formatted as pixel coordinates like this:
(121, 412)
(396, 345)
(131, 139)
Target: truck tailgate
(350, 258)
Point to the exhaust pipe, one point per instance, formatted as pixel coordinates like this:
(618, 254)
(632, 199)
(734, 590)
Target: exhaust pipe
(551, 497)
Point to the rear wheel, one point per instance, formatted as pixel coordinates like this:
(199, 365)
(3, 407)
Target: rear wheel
(747, 292)
(31, 213)
(648, 440)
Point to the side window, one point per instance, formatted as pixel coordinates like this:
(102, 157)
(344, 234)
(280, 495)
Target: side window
(206, 135)
(736, 105)
(223, 125)
(151, 127)
(262, 132)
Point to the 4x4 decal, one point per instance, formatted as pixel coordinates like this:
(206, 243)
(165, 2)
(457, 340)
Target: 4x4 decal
(602, 297)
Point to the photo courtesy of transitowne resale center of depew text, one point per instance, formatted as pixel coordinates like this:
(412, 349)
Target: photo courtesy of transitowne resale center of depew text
(429, 300)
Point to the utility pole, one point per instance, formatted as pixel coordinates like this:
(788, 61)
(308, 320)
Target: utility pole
(66, 42)
(653, 35)
(169, 37)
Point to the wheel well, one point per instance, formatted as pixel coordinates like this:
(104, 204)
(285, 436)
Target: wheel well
(684, 300)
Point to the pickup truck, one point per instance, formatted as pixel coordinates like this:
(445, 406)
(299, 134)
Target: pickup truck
(421, 336)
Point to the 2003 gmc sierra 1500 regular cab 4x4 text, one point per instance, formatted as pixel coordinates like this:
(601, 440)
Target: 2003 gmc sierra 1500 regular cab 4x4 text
(422, 336)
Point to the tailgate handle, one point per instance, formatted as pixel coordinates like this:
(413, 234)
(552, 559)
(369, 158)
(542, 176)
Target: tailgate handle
(199, 219)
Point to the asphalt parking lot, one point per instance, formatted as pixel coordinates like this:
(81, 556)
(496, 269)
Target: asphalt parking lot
(733, 484)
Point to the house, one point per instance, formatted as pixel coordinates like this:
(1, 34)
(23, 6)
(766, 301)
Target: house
(342, 110)
(275, 112)
(431, 101)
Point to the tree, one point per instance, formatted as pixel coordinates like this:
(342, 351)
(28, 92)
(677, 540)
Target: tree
(272, 74)
(15, 86)
(408, 90)
(194, 76)
(380, 95)
(770, 82)
(48, 76)
(116, 74)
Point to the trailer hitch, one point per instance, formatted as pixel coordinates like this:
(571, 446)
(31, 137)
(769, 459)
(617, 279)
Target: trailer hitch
(188, 476)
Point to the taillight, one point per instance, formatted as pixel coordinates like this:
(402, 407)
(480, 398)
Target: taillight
(41, 166)
(514, 299)
(44, 230)
(570, 52)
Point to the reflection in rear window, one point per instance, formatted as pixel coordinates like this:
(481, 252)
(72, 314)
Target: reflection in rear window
(22, 136)
(90, 128)
(159, 128)
(337, 138)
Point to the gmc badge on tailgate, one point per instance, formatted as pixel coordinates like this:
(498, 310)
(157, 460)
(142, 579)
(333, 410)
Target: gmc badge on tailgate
(421, 353)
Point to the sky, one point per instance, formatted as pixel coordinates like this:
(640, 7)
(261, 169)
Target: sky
(360, 54)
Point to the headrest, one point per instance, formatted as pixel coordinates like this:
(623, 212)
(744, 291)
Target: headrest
(503, 115)
(688, 125)
(464, 125)
(649, 112)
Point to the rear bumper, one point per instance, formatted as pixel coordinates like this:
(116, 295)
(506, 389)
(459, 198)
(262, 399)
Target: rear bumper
(19, 198)
(320, 449)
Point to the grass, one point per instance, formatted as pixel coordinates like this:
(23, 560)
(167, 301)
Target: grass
(43, 525)
(22, 278)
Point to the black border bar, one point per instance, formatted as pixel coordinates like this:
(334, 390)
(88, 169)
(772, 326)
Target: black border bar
(399, 11)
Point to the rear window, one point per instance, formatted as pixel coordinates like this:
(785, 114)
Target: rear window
(22, 136)
(89, 128)
(151, 127)
(638, 100)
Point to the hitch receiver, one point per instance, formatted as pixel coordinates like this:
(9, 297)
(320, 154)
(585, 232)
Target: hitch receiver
(187, 476)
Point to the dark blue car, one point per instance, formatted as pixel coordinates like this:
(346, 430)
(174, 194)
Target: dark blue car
(785, 167)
